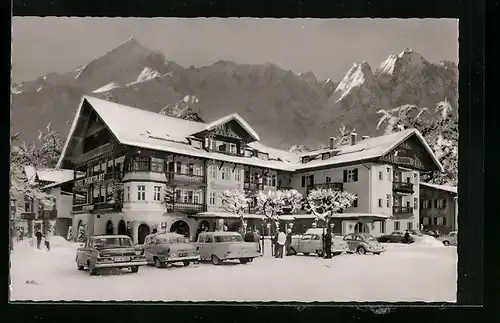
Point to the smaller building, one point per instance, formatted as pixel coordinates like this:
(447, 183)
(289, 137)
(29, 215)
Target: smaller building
(439, 207)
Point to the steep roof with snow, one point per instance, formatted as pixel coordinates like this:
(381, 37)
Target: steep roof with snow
(451, 189)
(48, 175)
(367, 149)
(236, 117)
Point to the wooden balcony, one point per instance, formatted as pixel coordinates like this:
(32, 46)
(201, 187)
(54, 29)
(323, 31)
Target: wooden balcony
(187, 208)
(95, 153)
(402, 211)
(174, 177)
(100, 206)
(402, 187)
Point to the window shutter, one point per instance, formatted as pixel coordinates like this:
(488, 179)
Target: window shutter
(355, 174)
(345, 176)
(311, 178)
(303, 181)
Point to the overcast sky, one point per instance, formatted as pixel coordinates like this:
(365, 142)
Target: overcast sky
(327, 47)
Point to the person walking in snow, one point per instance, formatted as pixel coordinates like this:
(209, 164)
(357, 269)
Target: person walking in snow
(288, 242)
(48, 238)
(281, 243)
(38, 236)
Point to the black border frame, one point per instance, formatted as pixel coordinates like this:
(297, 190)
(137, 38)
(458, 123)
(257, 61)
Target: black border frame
(471, 165)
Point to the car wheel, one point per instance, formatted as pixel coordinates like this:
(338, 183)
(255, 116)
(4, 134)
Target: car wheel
(243, 260)
(158, 263)
(376, 253)
(306, 253)
(92, 269)
(79, 267)
(336, 253)
(186, 263)
(446, 243)
(250, 259)
(293, 252)
(134, 269)
(361, 250)
(319, 253)
(215, 260)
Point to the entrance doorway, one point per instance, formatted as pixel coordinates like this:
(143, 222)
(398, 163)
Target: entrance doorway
(109, 227)
(143, 232)
(361, 228)
(122, 227)
(180, 227)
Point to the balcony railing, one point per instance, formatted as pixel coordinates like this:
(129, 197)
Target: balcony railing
(188, 208)
(402, 187)
(185, 177)
(96, 152)
(227, 152)
(47, 214)
(100, 206)
(253, 186)
(402, 211)
(336, 186)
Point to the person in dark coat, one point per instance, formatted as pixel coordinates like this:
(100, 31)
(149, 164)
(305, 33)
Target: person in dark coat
(249, 236)
(406, 237)
(256, 239)
(288, 243)
(275, 243)
(38, 235)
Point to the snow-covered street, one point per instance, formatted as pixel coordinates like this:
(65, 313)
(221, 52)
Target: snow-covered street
(403, 273)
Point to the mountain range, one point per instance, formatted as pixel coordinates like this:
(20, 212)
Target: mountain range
(283, 107)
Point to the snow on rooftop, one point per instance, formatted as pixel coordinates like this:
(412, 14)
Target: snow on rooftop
(106, 88)
(237, 118)
(451, 189)
(55, 175)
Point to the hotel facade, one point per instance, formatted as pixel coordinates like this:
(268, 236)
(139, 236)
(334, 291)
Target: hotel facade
(146, 171)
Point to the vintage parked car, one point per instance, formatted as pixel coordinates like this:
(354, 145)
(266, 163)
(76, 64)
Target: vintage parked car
(432, 233)
(312, 242)
(395, 237)
(219, 246)
(451, 239)
(109, 251)
(164, 249)
(363, 243)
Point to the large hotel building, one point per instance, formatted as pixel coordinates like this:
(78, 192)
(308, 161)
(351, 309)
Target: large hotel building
(172, 172)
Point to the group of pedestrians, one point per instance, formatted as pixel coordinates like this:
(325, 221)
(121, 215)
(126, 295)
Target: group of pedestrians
(47, 236)
(281, 242)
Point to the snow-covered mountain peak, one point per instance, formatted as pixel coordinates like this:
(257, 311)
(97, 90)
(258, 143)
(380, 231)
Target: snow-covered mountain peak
(408, 58)
(358, 75)
(411, 57)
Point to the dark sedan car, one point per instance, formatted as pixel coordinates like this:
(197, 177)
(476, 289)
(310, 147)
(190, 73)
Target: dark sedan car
(394, 237)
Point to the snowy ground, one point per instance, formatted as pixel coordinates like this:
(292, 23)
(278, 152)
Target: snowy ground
(418, 272)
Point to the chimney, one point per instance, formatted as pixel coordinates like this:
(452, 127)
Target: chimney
(332, 142)
(365, 137)
(354, 137)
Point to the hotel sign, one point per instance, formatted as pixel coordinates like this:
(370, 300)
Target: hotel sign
(88, 207)
(90, 180)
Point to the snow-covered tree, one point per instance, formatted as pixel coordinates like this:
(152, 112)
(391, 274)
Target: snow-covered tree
(325, 203)
(298, 149)
(440, 131)
(235, 201)
(82, 233)
(273, 203)
(184, 109)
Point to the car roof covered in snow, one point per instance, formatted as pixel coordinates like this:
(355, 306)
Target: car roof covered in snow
(100, 236)
(220, 233)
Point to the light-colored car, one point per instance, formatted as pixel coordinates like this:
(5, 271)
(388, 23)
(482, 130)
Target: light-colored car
(109, 251)
(450, 239)
(164, 249)
(363, 243)
(219, 246)
(312, 242)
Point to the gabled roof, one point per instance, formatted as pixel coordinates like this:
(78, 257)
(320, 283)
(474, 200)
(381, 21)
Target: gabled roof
(236, 117)
(451, 189)
(368, 149)
(55, 176)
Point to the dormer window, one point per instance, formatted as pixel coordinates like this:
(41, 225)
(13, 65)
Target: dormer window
(305, 159)
(264, 156)
(196, 143)
(325, 156)
(248, 153)
(232, 148)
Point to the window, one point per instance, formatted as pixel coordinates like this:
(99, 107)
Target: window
(380, 203)
(157, 165)
(409, 225)
(191, 169)
(264, 156)
(232, 148)
(436, 203)
(103, 167)
(190, 196)
(310, 180)
(178, 167)
(225, 173)
(157, 193)
(184, 196)
(415, 203)
(196, 198)
(95, 194)
(213, 172)
(355, 201)
(305, 160)
(96, 170)
(109, 193)
(396, 226)
(141, 164)
(444, 220)
(212, 198)
(237, 175)
(415, 178)
(389, 177)
(328, 178)
(303, 181)
(388, 200)
(380, 176)
(350, 175)
(109, 168)
(443, 203)
(141, 192)
(325, 156)
(127, 188)
(425, 204)
(435, 221)
(178, 195)
(382, 227)
(273, 182)
(198, 171)
(439, 220)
